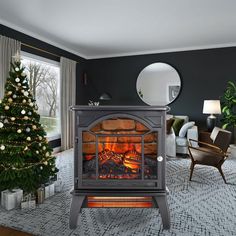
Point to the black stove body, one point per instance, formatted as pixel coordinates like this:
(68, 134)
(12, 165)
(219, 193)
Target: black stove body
(119, 151)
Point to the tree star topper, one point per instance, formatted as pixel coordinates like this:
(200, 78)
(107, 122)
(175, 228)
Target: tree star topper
(17, 57)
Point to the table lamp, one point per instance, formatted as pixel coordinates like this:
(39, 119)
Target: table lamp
(211, 107)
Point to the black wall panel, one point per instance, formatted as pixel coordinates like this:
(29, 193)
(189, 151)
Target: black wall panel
(204, 75)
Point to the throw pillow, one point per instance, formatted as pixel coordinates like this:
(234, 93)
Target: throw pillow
(185, 127)
(177, 125)
(169, 123)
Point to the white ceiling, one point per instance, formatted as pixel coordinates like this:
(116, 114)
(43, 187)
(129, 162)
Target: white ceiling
(106, 28)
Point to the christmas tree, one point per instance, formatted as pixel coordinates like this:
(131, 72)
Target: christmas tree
(26, 159)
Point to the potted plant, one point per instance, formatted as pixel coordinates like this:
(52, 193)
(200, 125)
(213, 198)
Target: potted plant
(228, 104)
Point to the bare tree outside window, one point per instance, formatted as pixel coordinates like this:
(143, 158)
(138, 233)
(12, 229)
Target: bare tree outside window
(45, 84)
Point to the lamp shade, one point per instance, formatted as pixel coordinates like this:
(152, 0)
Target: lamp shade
(105, 96)
(211, 107)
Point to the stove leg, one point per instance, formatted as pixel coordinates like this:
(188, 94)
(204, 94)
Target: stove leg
(75, 209)
(161, 201)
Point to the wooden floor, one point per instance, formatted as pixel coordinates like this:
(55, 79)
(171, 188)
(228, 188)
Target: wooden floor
(11, 232)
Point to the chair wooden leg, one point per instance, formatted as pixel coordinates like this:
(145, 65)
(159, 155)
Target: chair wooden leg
(191, 170)
(222, 174)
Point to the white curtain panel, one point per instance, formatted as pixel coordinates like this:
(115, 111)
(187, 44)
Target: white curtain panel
(68, 87)
(8, 48)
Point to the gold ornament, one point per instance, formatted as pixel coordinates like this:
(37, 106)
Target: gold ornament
(34, 127)
(41, 167)
(23, 74)
(44, 148)
(40, 144)
(26, 93)
(24, 101)
(47, 154)
(2, 147)
(28, 139)
(13, 118)
(6, 107)
(19, 84)
(26, 118)
(9, 93)
(29, 100)
(53, 169)
(37, 152)
(45, 163)
(26, 148)
(31, 104)
(10, 100)
(40, 138)
(0, 101)
(19, 131)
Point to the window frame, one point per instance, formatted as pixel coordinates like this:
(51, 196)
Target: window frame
(37, 58)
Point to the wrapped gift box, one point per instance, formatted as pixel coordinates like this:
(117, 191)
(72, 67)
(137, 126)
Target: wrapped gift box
(11, 199)
(58, 185)
(28, 202)
(40, 195)
(52, 189)
(49, 190)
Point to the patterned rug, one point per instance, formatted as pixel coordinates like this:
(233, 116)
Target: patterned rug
(204, 206)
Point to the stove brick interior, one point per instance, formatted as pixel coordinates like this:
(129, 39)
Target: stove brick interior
(119, 126)
(120, 149)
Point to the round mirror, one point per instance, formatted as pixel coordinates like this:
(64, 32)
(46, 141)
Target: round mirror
(158, 84)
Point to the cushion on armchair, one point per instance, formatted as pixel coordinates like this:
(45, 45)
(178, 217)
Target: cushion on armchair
(185, 127)
(177, 125)
(169, 124)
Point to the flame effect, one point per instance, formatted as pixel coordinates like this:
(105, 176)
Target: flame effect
(118, 156)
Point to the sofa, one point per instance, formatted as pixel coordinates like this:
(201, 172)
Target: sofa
(176, 144)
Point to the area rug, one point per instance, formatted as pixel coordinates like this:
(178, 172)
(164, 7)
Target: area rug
(204, 206)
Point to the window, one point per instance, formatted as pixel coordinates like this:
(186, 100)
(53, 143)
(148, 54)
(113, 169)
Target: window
(44, 82)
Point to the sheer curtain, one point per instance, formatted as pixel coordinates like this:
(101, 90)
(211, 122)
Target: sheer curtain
(68, 87)
(8, 48)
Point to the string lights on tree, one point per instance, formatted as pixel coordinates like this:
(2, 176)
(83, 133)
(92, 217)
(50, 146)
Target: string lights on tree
(26, 159)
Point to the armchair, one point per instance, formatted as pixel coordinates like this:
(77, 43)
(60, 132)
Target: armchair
(210, 154)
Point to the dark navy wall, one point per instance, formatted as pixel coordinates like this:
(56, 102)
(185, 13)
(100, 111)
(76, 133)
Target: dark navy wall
(204, 75)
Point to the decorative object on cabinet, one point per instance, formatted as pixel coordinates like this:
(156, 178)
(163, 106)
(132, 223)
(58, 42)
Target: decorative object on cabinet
(211, 154)
(158, 84)
(211, 107)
